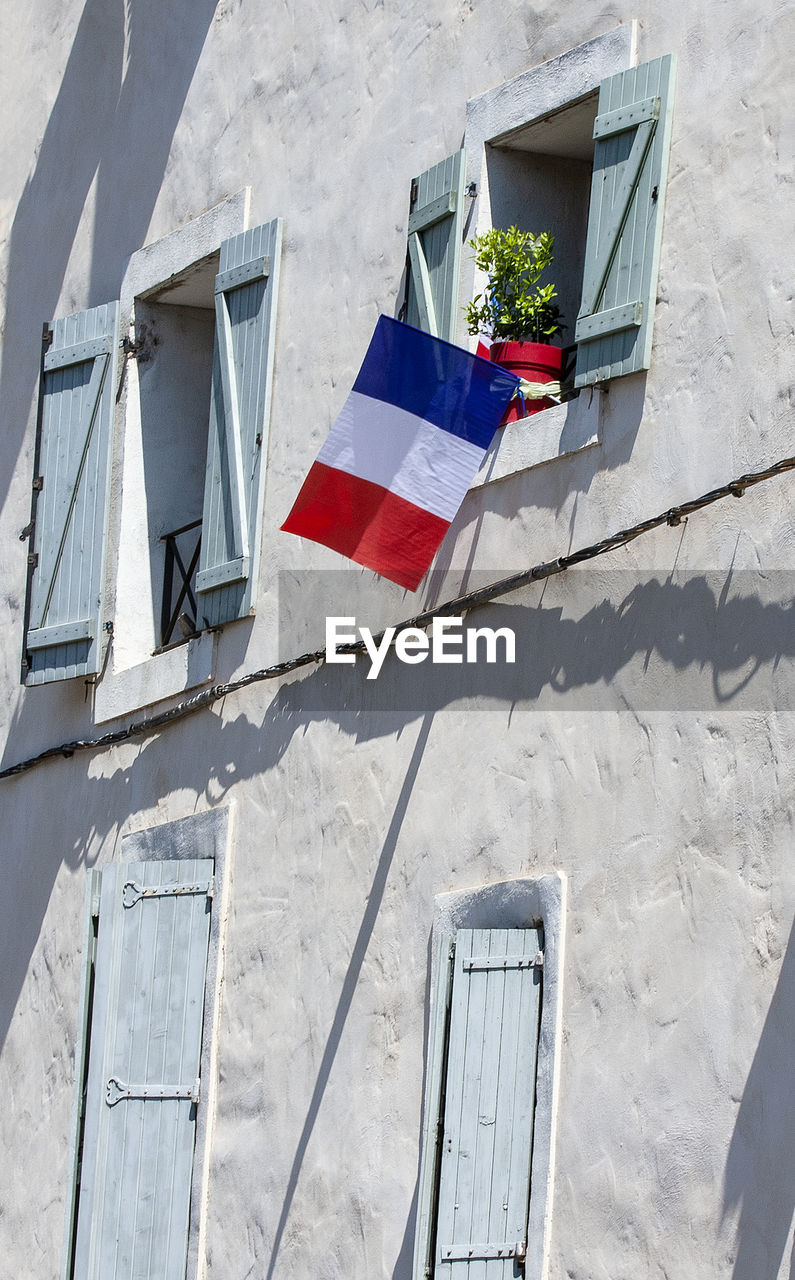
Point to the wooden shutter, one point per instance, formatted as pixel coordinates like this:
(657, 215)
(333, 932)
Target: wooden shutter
(144, 1060)
(65, 602)
(632, 140)
(245, 302)
(436, 221)
(484, 1179)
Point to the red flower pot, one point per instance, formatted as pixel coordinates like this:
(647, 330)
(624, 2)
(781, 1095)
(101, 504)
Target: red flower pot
(533, 361)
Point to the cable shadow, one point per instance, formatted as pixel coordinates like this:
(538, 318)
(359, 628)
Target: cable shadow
(619, 643)
(374, 900)
(760, 1167)
(113, 123)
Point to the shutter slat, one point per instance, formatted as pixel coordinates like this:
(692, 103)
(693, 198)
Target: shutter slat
(65, 610)
(436, 222)
(138, 1153)
(632, 133)
(484, 1179)
(246, 288)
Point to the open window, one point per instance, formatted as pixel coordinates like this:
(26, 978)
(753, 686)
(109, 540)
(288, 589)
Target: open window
(186, 496)
(592, 169)
(203, 343)
(578, 146)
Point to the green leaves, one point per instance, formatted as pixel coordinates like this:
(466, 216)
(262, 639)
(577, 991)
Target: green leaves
(510, 308)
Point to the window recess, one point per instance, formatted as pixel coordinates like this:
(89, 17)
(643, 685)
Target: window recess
(486, 1172)
(488, 1103)
(138, 1064)
(593, 172)
(204, 349)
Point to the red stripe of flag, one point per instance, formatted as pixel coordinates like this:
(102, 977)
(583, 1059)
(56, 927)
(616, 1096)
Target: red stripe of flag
(367, 523)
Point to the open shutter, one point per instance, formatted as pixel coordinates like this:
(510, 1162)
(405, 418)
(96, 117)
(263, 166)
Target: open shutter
(64, 615)
(484, 1180)
(245, 302)
(143, 1086)
(436, 221)
(632, 141)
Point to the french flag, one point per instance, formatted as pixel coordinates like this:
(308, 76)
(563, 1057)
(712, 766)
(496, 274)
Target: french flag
(405, 448)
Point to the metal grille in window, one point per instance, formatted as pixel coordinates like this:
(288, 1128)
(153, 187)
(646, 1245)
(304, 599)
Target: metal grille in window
(178, 608)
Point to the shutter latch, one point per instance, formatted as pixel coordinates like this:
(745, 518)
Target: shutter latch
(117, 1091)
(132, 892)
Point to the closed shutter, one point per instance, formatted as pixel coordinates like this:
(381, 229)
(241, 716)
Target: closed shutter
(65, 604)
(436, 221)
(245, 303)
(144, 1060)
(484, 1179)
(632, 141)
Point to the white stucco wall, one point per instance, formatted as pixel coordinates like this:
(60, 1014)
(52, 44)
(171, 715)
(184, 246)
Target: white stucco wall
(642, 745)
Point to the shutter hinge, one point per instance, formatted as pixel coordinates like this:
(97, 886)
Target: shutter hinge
(472, 190)
(33, 559)
(117, 1091)
(38, 483)
(133, 892)
(47, 336)
(415, 191)
(129, 346)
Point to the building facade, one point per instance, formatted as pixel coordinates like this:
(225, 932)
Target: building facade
(465, 969)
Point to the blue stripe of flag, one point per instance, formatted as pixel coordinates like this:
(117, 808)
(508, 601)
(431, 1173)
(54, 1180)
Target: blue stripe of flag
(452, 388)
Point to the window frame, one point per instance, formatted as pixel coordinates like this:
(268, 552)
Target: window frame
(509, 904)
(543, 90)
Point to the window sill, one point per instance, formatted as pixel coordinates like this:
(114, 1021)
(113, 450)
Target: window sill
(162, 676)
(554, 433)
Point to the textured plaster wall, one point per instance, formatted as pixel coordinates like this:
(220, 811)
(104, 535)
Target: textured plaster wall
(642, 744)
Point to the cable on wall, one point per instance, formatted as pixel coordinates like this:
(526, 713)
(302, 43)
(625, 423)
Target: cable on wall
(471, 600)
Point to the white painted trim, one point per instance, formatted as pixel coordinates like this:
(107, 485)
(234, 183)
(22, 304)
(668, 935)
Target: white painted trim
(553, 433)
(163, 675)
(511, 904)
(155, 263)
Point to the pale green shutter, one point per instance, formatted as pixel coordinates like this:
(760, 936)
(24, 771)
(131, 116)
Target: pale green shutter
(436, 221)
(484, 1178)
(143, 1080)
(65, 603)
(245, 306)
(632, 140)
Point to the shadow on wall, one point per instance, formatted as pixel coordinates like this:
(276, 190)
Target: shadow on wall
(612, 656)
(760, 1169)
(724, 650)
(112, 123)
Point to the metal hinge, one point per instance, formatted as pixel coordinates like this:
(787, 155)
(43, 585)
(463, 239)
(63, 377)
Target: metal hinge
(483, 1252)
(117, 1091)
(415, 191)
(38, 482)
(132, 892)
(33, 559)
(503, 962)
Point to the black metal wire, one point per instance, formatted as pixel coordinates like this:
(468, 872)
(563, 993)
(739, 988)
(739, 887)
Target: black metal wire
(471, 600)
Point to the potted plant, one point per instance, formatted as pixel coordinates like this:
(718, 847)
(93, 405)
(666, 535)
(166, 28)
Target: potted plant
(516, 313)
